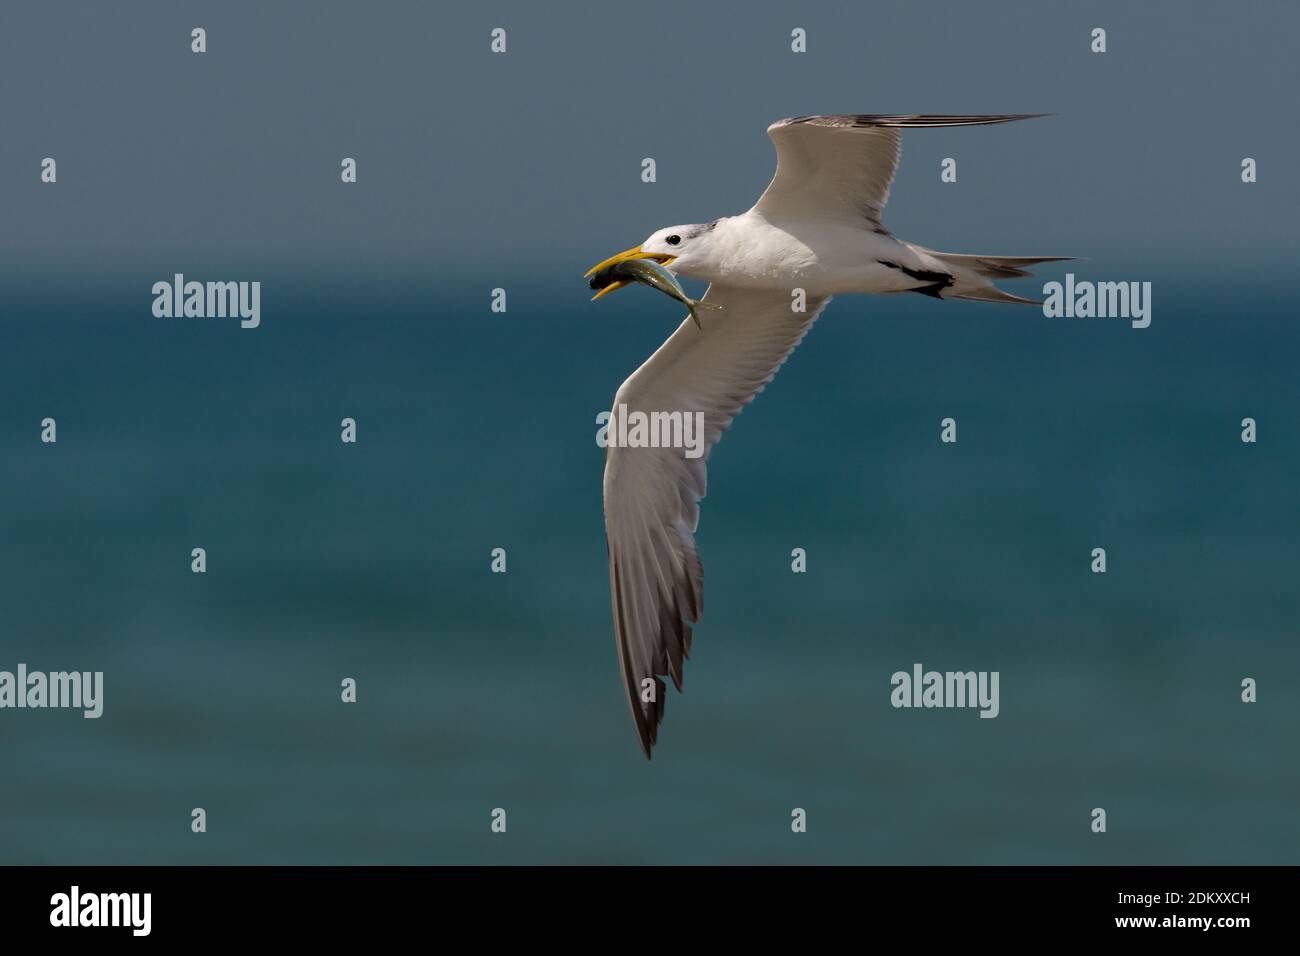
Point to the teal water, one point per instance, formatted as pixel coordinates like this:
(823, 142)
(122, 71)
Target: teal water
(480, 690)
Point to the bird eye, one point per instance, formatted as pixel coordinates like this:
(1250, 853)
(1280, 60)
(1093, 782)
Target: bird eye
(673, 240)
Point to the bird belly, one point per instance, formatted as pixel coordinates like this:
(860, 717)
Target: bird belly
(819, 256)
(853, 259)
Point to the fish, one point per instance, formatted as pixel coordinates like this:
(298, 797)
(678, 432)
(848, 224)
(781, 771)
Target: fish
(646, 272)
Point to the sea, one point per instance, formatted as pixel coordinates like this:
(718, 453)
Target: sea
(479, 692)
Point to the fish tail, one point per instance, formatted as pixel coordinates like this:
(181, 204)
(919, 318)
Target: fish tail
(695, 305)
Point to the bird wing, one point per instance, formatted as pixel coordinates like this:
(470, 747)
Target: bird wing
(652, 494)
(841, 167)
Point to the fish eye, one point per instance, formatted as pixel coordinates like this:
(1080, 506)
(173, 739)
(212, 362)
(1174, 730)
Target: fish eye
(673, 240)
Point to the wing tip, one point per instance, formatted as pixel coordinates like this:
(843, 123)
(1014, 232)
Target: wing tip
(648, 721)
(902, 120)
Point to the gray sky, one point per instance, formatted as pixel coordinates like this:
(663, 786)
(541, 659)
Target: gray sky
(538, 151)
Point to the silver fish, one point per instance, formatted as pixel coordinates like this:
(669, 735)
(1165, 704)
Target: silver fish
(646, 272)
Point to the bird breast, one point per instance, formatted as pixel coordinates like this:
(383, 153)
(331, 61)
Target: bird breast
(822, 257)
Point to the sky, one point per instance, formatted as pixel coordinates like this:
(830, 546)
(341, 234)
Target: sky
(465, 156)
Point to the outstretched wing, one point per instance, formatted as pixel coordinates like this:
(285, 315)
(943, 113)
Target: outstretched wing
(652, 494)
(841, 167)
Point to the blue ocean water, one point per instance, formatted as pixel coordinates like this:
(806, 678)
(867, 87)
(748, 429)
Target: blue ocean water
(480, 690)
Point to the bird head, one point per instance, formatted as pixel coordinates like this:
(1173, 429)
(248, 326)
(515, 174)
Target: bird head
(680, 248)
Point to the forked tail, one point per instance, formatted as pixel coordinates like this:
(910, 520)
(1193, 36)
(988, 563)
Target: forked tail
(971, 275)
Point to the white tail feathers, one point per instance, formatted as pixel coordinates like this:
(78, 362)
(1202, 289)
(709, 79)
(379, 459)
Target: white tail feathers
(996, 267)
(989, 293)
(972, 275)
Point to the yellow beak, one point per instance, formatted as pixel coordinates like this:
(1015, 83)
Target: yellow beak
(624, 256)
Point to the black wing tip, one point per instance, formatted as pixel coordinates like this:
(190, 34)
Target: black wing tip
(647, 729)
(906, 120)
(675, 636)
(649, 718)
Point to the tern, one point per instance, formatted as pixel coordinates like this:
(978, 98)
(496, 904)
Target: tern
(815, 232)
